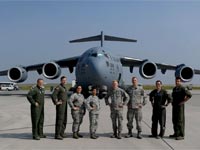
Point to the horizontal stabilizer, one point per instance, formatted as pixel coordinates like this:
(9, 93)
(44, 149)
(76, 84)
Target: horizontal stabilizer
(102, 38)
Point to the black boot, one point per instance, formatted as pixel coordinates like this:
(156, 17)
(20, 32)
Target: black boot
(114, 134)
(79, 135)
(75, 136)
(139, 136)
(130, 134)
(92, 136)
(119, 135)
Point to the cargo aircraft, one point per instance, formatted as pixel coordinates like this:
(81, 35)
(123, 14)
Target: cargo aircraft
(97, 67)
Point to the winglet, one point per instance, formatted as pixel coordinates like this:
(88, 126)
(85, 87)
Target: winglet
(102, 38)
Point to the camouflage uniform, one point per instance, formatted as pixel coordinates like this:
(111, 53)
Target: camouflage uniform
(36, 94)
(137, 98)
(117, 98)
(93, 102)
(77, 100)
(60, 95)
(178, 114)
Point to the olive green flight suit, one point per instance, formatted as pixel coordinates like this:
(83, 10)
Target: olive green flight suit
(178, 113)
(36, 94)
(60, 95)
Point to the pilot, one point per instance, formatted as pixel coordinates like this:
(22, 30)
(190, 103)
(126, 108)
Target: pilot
(159, 99)
(137, 101)
(36, 97)
(77, 104)
(116, 99)
(59, 98)
(180, 95)
(93, 106)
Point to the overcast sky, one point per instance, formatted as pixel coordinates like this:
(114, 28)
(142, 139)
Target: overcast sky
(35, 32)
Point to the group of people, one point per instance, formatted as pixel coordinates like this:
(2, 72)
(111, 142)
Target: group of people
(134, 97)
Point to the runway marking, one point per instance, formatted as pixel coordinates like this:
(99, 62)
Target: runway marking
(161, 137)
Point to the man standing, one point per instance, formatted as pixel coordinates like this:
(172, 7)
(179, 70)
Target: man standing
(137, 101)
(59, 98)
(77, 104)
(36, 98)
(159, 99)
(93, 106)
(180, 95)
(117, 98)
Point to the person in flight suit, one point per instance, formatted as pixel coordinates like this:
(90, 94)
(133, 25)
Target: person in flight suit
(36, 98)
(77, 104)
(116, 99)
(93, 106)
(159, 99)
(180, 95)
(59, 98)
(137, 101)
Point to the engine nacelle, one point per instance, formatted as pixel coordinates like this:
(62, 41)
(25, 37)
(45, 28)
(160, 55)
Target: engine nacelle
(51, 70)
(148, 70)
(17, 74)
(185, 73)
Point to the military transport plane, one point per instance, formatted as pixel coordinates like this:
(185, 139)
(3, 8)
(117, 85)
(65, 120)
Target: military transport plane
(97, 67)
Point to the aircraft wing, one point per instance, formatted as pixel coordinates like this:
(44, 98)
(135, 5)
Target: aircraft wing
(148, 68)
(68, 62)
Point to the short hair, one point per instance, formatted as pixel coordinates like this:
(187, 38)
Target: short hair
(115, 81)
(61, 78)
(39, 79)
(178, 78)
(94, 87)
(134, 77)
(159, 81)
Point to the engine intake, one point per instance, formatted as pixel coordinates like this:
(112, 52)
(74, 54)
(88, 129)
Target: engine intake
(185, 73)
(51, 70)
(148, 70)
(17, 74)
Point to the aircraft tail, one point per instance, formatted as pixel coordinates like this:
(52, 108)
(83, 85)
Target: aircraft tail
(102, 38)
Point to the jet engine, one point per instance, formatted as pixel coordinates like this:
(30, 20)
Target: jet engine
(51, 70)
(148, 70)
(17, 74)
(184, 72)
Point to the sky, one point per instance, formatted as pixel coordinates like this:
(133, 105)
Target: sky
(34, 32)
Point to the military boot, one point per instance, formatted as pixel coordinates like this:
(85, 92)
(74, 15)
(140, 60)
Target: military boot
(75, 136)
(139, 136)
(92, 136)
(79, 135)
(114, 134)
(58, 137)
(119, 136)
(130, 134)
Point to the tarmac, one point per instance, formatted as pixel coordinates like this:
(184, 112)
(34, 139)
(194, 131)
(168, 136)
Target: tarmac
(15, 128)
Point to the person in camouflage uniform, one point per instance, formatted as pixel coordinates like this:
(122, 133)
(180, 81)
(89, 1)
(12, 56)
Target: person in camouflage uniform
(159, 99)
(93, 106)
(36, 98)
(117, 98)
(136, 102)
(77, 104)
(59, 98)
(180, 95)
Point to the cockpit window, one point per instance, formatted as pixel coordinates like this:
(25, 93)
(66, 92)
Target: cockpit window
(94, 54)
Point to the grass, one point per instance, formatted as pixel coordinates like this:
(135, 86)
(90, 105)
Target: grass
(146, 87)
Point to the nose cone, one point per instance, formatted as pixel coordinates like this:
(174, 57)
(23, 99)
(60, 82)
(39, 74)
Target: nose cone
(92, 71)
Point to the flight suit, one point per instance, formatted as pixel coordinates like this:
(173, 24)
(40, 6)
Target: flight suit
(117, 98)
(159, 99)
(178, 114)
(93, 102)
(36, 94)
(77, 100)
(137, 98)
(60, 94)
